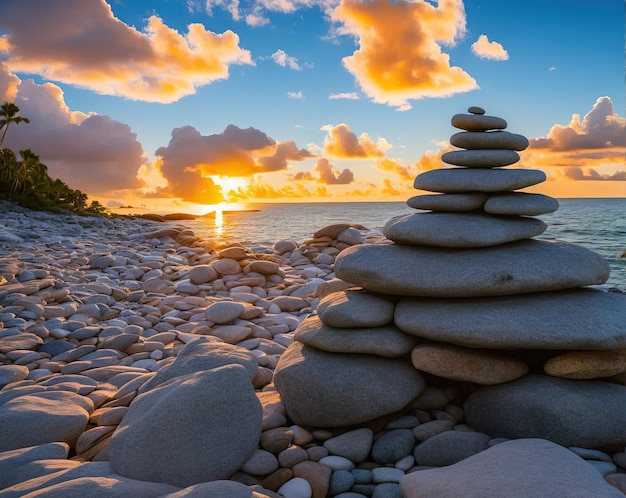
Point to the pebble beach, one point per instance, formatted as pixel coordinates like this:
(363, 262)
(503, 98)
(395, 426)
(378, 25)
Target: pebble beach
(451, 354)
(94, 312)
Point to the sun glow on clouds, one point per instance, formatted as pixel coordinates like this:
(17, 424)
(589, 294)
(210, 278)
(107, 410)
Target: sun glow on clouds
(83, 44)
(486, 49)
(343, 143)
(399, 56)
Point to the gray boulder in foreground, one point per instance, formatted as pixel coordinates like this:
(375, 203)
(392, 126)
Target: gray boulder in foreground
(583, 413)
(515, 268)
(523, 468)
(338, 389)
(576, 319)
(191, 429)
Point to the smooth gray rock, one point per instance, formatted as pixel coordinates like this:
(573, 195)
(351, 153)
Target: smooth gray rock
(475, 110)
(393, 446)
(463, 230)
(85, 469)
(387, 341)
(333, 390)
(459, 180)
(481, 158)
(514, 268)
(520, 203)
(192, 429)
(450, 447)
(584, 413)
(203, 354)
(217, 489)
(489, 140)
(12, 460)
(105, 487)
(448, 202)
(477, 122)
(355, 308)
(577, 319)
(63, 414)
(516, 469)
(354, 445)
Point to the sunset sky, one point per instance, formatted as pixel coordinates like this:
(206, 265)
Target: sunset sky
(174, 103)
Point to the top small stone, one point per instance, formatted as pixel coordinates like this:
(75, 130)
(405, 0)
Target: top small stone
(478, 122)
(475, 110)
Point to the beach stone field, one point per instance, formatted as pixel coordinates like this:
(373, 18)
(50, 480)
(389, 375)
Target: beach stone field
(449, 355)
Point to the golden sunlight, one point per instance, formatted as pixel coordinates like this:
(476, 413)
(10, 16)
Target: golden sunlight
(229, 183)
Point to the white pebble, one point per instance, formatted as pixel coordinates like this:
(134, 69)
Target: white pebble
(296, 488)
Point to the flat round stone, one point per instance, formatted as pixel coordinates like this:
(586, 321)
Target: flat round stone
(477, 122)
(489, 140)
(475, 110)
(577, 319)
(467, 364)
(387, 341)
(456, 180)
(355, 308)
(515, 268)
(461, 229)
(481, 158)
(469, 201)
(587, 364)
(520, 203)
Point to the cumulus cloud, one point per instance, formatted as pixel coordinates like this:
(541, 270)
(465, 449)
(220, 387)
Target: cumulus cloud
(84, 44)
(295, 95)
(400, 56)
(281, 58)
(344, 95)
(598, 140)
(486, 49)
(574, 173)
(262, 190)
(89, 152)
(323, 172)
(190, 159)
(341, 142)
(397, 168)
(329, 176)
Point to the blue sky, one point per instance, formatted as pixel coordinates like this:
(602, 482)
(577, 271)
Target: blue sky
(288, 75)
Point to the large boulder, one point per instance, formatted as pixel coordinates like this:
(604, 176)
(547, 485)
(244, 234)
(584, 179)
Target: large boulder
(596, 320)
(332, 390)
(191, 429)
(584, 413)
(514, 268)
(39, 417)
(203, 354)
(516, 469)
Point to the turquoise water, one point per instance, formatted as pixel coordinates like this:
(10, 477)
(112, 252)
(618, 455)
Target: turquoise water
(598, 224)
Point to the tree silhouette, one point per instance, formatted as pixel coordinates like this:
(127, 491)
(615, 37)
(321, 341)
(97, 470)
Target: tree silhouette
(8, 115)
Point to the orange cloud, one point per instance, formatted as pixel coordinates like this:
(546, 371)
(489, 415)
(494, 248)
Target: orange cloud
(486, 49)
(341, 142)
(323, 172)
(261, 190)
(391, 166)
(399, 56)
(89, 152)
(190, 158)
(83, 44)
(597, 141)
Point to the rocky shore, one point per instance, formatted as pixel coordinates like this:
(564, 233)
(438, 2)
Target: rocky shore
(138, 360)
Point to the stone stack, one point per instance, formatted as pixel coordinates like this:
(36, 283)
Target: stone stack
(475, 298)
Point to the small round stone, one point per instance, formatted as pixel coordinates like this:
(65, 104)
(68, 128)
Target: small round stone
(475, 110)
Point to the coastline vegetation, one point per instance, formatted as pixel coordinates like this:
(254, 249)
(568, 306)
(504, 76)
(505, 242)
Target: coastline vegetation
(26, 182)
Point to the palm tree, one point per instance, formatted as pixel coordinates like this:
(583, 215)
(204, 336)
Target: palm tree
(8, 115)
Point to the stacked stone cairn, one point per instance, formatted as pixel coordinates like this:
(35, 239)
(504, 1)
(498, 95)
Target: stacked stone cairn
(465, 296)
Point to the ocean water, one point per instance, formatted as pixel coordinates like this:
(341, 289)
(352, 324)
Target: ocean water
(597, 224)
